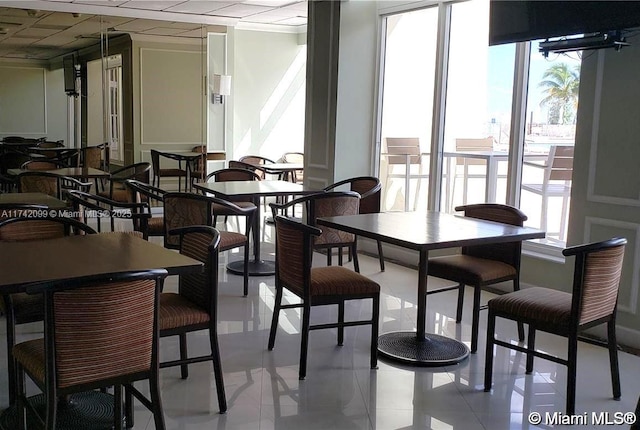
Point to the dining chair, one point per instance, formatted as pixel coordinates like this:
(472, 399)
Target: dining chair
(318, 286)
(41, 165)
(154, 197)
(468, 145)
(194, 306)
(294, 158)
(557, 173)
(187, 209)
(49, 183)
(592, 301)
(117, 190)
(370, 190)
(87, 206)
(234, 174)
(95, 157)
(112, 343)
(406, 152)
(326, 204)
(163, 172)
(481, 265)
(21, 308)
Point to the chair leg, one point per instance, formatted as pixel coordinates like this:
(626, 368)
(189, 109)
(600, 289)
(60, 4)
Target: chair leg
(156, 402)
(20, 406)
(11, 362)
(245, 274)
(117, 407)
(572, 357)
(380, 256)
(304, 341)
(354, 251)
(128, 406)
(476, 318)
(274, 319)
(531, 346)
(374, 331)
(460, 303)
(217, 367)
(613, 359)
(329, 251)
(51, 409)
(516, 287)
(488, 362)
(184, 369)
(340, 256)
(341, 323)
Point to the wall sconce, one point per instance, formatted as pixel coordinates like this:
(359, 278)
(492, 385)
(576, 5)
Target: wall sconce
(220, 86)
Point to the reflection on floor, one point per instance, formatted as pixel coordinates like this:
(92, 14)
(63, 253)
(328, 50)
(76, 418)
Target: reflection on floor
(341, 392)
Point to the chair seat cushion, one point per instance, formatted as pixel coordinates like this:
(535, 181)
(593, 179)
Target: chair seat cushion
(30, 355)
(171, 172)
(221, 210)
(470, 270)
(544, 305)
(119, 195)
(230, 239)
(176, 311)
(337, 280)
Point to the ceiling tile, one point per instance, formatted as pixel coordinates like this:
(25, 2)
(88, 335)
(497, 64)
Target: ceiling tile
(269, 3)
(140, 25)
(198, 7)
(37, 32)
(292, 21)
(239, 10)
(163, 31)
(111, 3)
(149, 4)
(62, 18)
(19, 41)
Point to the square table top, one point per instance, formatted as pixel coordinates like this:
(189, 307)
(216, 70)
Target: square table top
(26, 263)
(73, 172)
(429, 230)
(40, 199)
(254, 188)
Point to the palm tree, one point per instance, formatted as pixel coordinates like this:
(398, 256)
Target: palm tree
(560, 83)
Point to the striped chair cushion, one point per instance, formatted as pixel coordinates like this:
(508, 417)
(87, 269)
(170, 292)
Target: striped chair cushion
(176, 311)
(600, 285)
(544, 305)
(337, 280)
(470, 270)
(156, 226)
(31, 230)
(26, 307)
(30, 355)
(230, 239)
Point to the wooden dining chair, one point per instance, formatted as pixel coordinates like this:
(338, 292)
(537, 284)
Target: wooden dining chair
(117, 189)
(194, 306)
(154, 197)
(370, 190)
(49, 183)
(592, 301)
(318, 286)
(21, 308)
(186, 209)
(162, 172)
(326, 204)
(112, 343)
(481, 265)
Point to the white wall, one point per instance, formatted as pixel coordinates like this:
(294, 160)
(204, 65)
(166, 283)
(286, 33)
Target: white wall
(268, 92)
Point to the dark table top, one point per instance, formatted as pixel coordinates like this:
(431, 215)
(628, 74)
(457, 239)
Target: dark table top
(33, 199)
(429, 230)
(73, 172)
(275, 168)
(24, 263)
(254, 188)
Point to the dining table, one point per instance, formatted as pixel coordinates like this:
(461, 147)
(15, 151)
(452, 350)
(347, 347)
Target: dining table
(24, 264)
(254, 190)
(72, 172)
(424, 231)
(38, 199)
(282, 170)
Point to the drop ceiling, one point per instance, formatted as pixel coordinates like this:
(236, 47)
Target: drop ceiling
(44, 30)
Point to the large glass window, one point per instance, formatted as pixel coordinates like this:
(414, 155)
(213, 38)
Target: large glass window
(550, 130)
(407, 108)
(478, 111)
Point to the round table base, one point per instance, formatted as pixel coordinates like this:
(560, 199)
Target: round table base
(256, 268)
(434, 350)
(89, 410)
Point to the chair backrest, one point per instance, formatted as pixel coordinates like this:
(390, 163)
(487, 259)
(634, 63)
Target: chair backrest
(49, 183)
(27, 228)
(294, 254)
(12, 159)
(293, 157)
(145, 193)
(473, 145)
(256, 159)
(50, 144)
(399, 148)
(20, 139)
(233, 174)
(86, 205)
(509, 253)
(40, 165)
(115, 337)
(155, 160)
(201, 243)
(334, 203)
(92, 156)
(559, 164)
(182, 210)
(596, 279)
(369, 188)
(137, 171)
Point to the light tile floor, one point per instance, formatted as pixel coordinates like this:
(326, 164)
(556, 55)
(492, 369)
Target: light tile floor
(341, 392)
